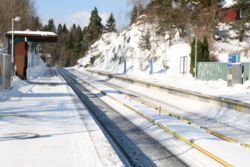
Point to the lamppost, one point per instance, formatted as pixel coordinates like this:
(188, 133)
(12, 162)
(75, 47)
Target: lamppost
(13, 20)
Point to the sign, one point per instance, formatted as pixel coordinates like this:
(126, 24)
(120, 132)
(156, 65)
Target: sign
(234, 58)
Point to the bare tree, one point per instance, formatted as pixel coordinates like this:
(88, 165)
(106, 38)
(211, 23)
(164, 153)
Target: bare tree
(204, 21)
(12, 8)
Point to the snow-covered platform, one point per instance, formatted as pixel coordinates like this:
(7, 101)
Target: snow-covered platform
(42, 124)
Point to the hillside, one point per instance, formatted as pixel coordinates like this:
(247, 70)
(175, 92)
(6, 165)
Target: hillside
(109, 52)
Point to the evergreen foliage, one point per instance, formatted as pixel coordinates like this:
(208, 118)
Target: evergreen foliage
(111, 24)
(65, 30)
(95, 27)
(35, 23)
(93, 31)
(145, 43)
(203, 54)
(59, 29)
(135, 13)
(50, 26)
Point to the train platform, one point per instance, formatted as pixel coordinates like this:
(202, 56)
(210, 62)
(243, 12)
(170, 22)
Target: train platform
(43, 124)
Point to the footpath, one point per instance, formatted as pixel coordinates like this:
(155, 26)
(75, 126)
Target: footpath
(43, 124)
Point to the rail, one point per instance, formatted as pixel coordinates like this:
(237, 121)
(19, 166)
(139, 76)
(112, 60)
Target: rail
(219, 101)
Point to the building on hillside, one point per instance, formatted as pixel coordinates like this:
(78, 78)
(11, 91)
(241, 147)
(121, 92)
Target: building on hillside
(230, 14)
(25, 43)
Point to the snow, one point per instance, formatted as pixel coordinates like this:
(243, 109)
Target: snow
(227, 3)
(183, 105)
(225, 150)
(111, 50)
(42, 123)
(28, 32)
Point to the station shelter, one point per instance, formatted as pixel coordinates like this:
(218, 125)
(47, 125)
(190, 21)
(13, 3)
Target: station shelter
(23, 42)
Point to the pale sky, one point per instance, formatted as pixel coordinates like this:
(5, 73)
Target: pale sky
(78, 11)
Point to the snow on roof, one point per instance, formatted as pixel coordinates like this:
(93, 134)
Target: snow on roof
(227, 3)
(33, 33)
(35, 36)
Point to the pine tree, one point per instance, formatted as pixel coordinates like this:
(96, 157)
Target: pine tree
(133, 16)
(70, 42)
(65, 30)
(35, 23)
(95, 27)
(59, 29)
(202, 53)
(93, 31)
(145, 43)
(111, 24)
(192, 57)
(51, 26)
(206, 53)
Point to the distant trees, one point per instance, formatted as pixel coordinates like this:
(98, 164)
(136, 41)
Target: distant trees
(199, 16)
(68, 48)
(50, 26)
(74, 43)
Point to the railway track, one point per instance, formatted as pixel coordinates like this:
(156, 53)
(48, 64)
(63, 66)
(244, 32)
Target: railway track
(137, 148)
(219, 101)
(178, 117)
(211, 125)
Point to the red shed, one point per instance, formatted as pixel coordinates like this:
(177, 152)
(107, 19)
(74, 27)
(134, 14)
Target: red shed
(230, 15)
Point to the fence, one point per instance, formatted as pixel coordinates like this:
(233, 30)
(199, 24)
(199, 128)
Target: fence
(6, 71)
(214, 71)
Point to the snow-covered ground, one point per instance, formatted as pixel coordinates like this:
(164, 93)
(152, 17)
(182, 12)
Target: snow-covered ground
(228, 122)
(41, 124)
(108, 55)
(229, 152)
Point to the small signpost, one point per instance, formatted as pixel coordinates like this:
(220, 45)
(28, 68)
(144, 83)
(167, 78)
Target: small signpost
(235, 70)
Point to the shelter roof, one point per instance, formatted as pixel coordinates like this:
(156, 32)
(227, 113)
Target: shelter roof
(35, 36)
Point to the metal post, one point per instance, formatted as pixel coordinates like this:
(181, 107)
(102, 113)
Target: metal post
(195, 66)
(12, 38)
(151, 65)
(125, 66)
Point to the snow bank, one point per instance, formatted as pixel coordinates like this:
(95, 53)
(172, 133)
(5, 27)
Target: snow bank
(109, 53)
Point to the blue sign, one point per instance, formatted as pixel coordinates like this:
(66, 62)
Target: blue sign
(234, 58)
